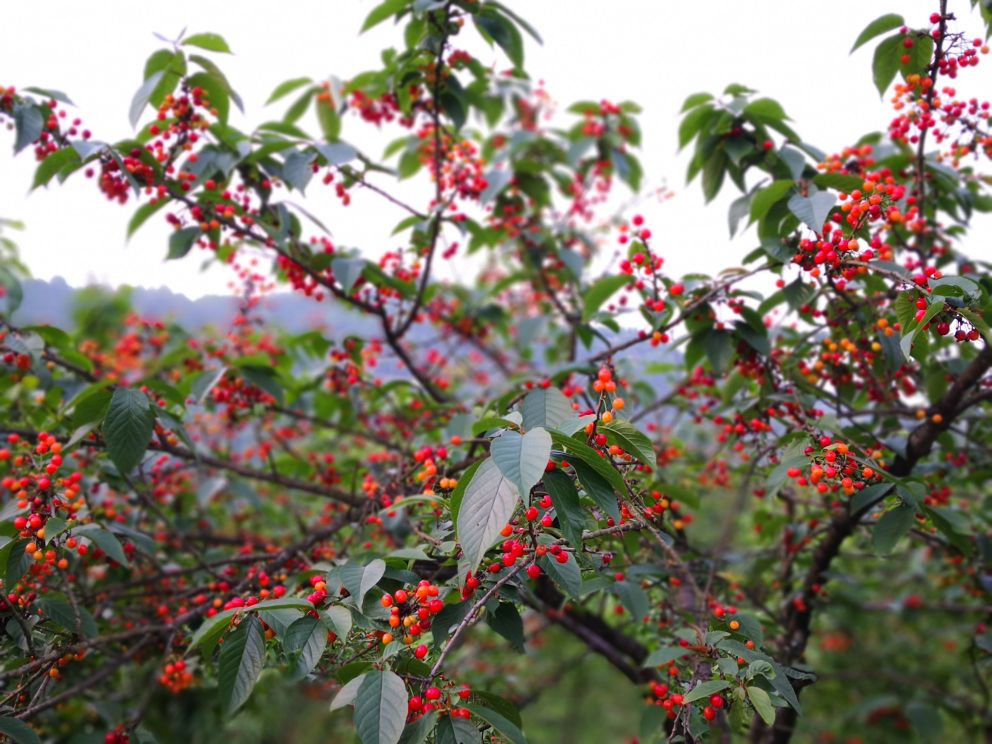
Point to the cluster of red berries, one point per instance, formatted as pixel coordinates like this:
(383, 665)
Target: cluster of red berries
(413, 611)
(175, 677)
(117, 736)
(672, 701)
(446, 700)
(834, 469)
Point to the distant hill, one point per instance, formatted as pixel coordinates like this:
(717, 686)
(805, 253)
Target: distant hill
(51, 303)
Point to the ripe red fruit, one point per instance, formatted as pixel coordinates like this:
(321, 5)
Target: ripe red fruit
(533, 571)
(432, 694)
(421, 651)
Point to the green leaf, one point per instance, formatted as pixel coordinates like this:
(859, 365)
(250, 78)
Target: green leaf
(62, 612)
(50, 93)
(241, 660)
(919, 57)
(348, 693)
(211, 629)
(381, 708)
(705, 689)
(631, 439)
(566, 575)
(336, 153)
(633, 598)
(957, 286)
(217, 93)
(565, 499)
(359, 579)
(54, 527)
(762, 704)
(341, 619)
(297, 170)
(142, 213)
(953, 526)
(455, 499)
(456, 731)
(693, 122)
(105, 540)
(767, 197)
(454, 107)
(128, 427)
(172, 65)
(17, 730)
(663, 656)
(894, 524)
(210, 42)
(347, 271)
(382, 12)
(765, 108)
(13, 561)
(507, 622)
(913, 331)
(813, 209)
(181, 241)
(600, 292)
(501, 30)
(739, 209)
(329, 119)
(868, 497)
(142, 96)
(719, 347)
(52, 164)
(522, 459)
(878, 27)
(926, 720)
(839, 181)
(287, 87)
(886, 62)
(713, 174)
(798, 293)
(507, 729)
(597, 488)
(306, 637)
(590, 457)
(750, 627)
(29, 124)
(416, 732)
(485, 509)
(545, 408)
(696, 99)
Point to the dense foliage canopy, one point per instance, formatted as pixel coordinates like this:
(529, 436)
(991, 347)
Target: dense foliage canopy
(760, 496)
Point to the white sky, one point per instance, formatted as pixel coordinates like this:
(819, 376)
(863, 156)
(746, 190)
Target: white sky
(653, 52)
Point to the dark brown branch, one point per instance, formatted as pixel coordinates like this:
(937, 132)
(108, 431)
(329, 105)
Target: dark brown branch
(797, 621)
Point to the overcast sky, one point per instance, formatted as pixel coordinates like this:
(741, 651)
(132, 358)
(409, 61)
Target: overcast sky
(653, 52)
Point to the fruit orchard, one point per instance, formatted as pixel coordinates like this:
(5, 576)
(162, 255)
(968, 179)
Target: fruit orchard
(759, 497)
